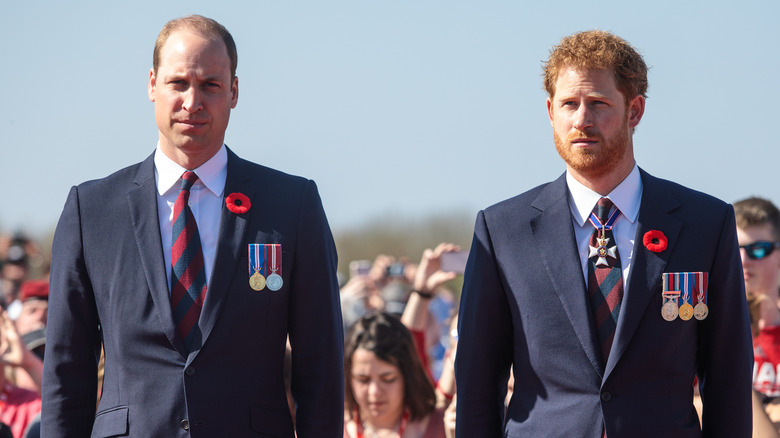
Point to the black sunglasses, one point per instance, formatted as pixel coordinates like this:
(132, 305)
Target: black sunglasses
(759, 250)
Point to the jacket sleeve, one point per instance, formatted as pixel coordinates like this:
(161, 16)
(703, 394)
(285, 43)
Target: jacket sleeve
(315, 330)
(725, 359)
(73, 338)
(485, 342)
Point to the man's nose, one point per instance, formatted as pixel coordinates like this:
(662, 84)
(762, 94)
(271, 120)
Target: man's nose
(583, 118)
(192, 100)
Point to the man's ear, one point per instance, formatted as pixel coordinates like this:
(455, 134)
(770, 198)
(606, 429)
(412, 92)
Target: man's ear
(151, 86)
(550, 111)
(636, 108)
(234, 92)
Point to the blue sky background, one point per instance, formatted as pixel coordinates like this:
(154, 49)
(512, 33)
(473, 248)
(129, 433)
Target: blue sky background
(395, 108)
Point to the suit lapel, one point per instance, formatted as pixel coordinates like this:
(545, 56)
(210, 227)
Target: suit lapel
(647, 266)
(142, 200)
(554, 235)
(232, 233)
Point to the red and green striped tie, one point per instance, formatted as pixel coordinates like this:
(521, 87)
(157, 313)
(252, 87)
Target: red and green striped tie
(605, 277)
(188, 277)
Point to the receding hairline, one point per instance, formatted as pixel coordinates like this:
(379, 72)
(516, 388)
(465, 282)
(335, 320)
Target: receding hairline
(206, 27)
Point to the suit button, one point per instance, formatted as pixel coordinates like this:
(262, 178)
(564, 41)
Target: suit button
(606, 396)
(190, 371)
(185, 424)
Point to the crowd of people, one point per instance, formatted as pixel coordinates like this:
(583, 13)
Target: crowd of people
(23, 319)
(399, 349)
(400, 320)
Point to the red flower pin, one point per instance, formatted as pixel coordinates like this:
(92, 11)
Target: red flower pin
(654, 240)
(238, 203)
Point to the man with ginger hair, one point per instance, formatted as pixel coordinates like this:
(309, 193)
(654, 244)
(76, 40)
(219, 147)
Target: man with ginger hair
(608, 291)
(191, 269)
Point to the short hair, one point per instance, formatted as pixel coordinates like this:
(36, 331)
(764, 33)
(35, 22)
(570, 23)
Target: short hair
(755, 212)
(385, 335)
(598, 49)
(202, 25)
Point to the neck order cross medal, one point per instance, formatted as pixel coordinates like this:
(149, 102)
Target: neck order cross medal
(602, 250)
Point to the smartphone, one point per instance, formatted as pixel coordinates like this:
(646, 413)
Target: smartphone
(395, 270)
(359, 268)
(454, 261)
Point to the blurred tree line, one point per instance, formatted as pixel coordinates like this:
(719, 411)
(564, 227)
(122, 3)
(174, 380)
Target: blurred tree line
(404, 238)
(399, 236)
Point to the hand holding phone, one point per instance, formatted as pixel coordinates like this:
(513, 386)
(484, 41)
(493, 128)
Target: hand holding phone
(454, 261)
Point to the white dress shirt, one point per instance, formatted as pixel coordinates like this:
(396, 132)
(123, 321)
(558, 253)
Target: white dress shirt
(205, 203)
(627, 197)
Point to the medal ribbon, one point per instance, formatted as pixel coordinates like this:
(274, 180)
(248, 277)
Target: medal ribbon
(687, 287)
(671, 286)
(607, 225)
(274, 257)
(701, 286)
(256, 258)
(677, 287)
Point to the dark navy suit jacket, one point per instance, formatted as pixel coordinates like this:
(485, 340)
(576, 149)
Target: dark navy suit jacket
(109, 287)
(524, 304)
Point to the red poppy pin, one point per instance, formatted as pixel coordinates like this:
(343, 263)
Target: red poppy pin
(654, 240)
(238, 203)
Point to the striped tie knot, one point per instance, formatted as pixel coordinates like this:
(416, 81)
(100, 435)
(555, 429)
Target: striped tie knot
(188, 179)
(603, 208)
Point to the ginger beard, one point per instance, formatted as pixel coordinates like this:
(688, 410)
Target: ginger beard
(592, 161)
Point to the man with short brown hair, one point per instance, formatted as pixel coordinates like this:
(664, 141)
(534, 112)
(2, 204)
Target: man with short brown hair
(758, 233)
(191, 269)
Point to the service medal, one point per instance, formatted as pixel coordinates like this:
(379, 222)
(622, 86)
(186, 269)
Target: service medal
(669, 311)
(257, 281)
(700, 311)
(256, 266)
(686, 312)
(669, 294)
(274, 258)
(274, 282)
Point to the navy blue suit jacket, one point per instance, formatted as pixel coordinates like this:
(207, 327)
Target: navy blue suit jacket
(109, 287)
(524, 304)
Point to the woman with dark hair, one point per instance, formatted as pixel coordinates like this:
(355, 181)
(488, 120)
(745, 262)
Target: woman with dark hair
(388, 393)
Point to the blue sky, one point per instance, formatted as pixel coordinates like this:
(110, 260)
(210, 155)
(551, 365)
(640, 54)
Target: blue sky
(395, 108)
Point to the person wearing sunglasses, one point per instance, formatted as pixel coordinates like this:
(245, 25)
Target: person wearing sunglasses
(758, 233)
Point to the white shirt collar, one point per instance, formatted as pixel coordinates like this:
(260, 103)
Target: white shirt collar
(627, 196)
(212, 174)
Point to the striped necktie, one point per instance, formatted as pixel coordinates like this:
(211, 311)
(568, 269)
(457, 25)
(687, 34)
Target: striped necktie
(605, 277)
(188, 277)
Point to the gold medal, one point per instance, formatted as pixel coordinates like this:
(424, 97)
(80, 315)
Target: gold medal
(256, 266)
(686, 312)
(669, 310)
(701, 311)
(257, 281)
